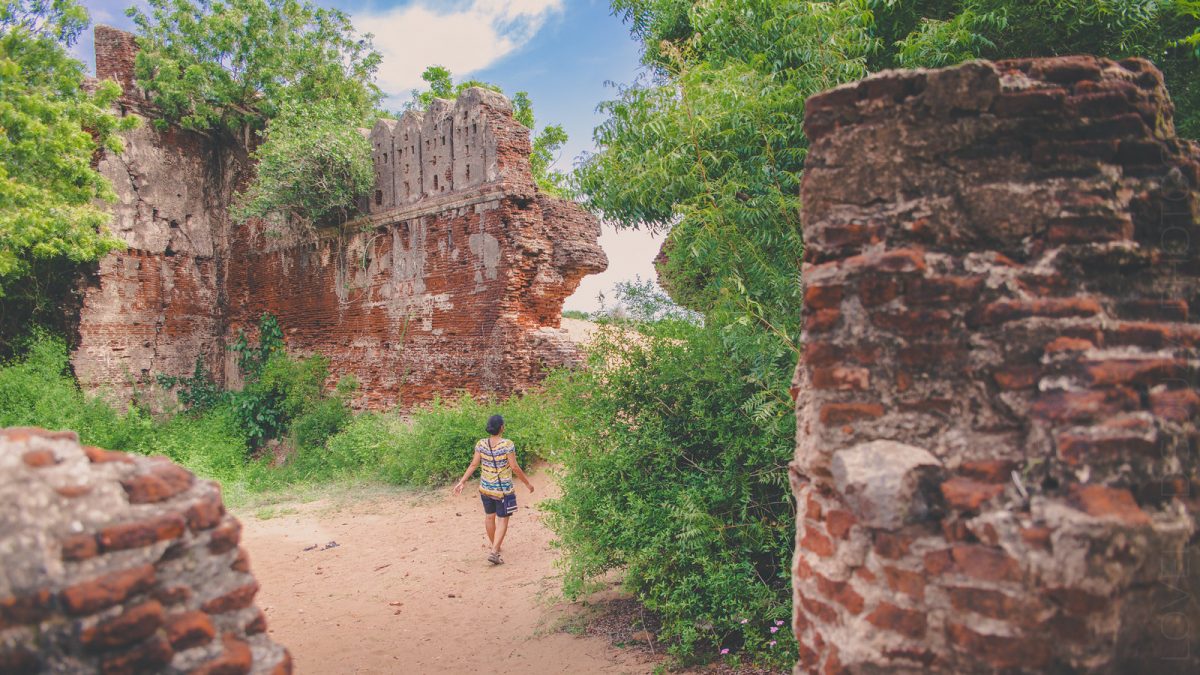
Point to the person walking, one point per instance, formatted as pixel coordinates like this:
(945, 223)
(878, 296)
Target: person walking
(497, 457)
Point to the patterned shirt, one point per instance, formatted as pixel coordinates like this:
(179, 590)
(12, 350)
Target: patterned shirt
(495, 475)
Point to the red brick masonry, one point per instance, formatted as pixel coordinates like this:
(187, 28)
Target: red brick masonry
(454, 281)
(996, 461)
(116, 563)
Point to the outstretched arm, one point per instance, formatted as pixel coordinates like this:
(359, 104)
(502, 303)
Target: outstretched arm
(458, 487)
(512, 461)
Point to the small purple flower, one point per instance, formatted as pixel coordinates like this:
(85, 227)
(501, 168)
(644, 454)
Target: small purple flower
(778, 622)
(774, 629)
(724, 651)
(771, 643)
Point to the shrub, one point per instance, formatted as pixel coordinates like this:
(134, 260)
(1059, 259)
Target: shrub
(675, 471)
(313, 165)
(35, 390)
(358, 449)
(211, 444)
(324, 419)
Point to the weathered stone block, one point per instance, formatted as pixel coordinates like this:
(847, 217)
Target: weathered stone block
(886, 483)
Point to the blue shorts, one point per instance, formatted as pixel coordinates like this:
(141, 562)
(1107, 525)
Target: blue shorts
(502, 508)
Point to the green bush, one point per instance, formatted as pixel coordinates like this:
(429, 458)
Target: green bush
(324, 419)
(358, 449)
(35, 390)
(210, 444)
(313, 165)
(674, 470)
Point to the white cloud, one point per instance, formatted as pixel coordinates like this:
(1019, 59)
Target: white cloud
(466, 38)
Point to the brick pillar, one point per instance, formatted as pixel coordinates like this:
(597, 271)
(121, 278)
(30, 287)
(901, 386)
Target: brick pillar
(116, 52)
(996, 460)
(119, 563)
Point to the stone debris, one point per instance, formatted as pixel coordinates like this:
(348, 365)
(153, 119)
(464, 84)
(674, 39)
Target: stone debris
(996, 465)
(140, 573)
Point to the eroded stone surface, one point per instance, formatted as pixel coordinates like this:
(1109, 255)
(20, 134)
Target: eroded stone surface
(453, 280)
(139, 573)
(1001, 271)
(885, 482)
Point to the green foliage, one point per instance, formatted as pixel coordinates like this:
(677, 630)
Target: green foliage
(211, 444)
(197, 392)
(442, 85)
(215, 439)
(51, 198)
(644, 304)
(36, 390)
(546, 143)
(321, 421)
(576, 314)
(252, 357)
(941, 32)
(360, 448)
(234, 64)
(711, 148)
(674, 470)
(313, 165)
(443, 434)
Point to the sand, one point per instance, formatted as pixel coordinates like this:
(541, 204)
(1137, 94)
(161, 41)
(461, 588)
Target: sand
(408, 589)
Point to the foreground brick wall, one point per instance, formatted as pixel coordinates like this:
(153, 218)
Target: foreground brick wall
(996, 461)
(454, 280)
(117, 563)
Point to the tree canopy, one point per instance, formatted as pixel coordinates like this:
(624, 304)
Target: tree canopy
(234, 64)
(709, 145)
(51, 126)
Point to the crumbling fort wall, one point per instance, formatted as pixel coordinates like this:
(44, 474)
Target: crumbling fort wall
(996, 464)
(457, 287)
(452, 279)
(156, 307)
(117, 563)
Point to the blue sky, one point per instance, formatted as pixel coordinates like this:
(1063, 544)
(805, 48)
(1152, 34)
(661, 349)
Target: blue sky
(560, 51)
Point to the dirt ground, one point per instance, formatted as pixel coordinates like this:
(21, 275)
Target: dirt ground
(399, 583)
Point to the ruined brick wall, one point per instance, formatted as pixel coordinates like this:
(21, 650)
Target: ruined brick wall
(155, 307)
(996, 461)
(118, 563)
(454, 279)
(458, 288)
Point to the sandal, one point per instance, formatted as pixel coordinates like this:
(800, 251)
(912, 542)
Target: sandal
(495, 559)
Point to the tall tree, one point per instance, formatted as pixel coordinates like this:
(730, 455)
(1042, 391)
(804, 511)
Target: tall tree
(233, 64)
(50, 129)
(709, 146)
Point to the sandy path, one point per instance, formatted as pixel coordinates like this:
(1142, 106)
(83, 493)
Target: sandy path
(457, 613)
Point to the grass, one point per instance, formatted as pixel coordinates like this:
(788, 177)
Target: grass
(371, 453)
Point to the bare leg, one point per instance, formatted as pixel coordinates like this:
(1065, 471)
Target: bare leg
(489, 526)
(501, 530)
